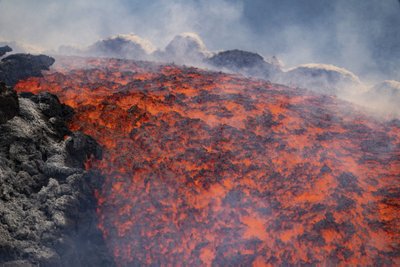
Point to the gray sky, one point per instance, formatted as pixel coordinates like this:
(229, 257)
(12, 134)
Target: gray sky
(361, 35)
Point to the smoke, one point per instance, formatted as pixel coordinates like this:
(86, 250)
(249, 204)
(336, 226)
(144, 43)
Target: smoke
(362, 36)
(51, 24)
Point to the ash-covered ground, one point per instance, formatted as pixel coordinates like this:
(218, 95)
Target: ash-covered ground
(47, 205)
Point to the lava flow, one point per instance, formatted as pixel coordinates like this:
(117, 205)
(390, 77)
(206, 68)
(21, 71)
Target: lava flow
(206, 168)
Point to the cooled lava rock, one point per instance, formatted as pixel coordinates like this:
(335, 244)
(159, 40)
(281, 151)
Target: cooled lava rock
(47, 207)
(81, 146)
(21, 66)
(4, 50)
(244, 62)
(9, 106)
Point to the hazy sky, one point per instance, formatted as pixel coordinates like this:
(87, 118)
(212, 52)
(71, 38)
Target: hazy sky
(361, 35)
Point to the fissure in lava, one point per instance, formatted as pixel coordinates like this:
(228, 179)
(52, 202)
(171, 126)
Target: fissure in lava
(206, 168)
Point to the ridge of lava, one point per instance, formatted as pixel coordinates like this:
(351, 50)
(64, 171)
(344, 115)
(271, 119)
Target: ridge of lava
(208, 168)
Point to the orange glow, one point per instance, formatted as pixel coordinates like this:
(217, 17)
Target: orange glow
(206, 168)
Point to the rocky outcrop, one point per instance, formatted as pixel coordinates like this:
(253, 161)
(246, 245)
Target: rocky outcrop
(21, 66)
(9, 105)
(4, 50)
(47, 206)
(247, 63)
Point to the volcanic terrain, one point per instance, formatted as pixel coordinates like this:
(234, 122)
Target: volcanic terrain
(47, 205)
(206, 168)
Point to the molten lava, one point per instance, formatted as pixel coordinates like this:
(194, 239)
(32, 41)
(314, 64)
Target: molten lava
(206, 168)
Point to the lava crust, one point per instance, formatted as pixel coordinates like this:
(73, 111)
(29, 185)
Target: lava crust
(47, 208)
(205, 168)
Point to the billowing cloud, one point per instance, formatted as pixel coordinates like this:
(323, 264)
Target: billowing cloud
(360, 35)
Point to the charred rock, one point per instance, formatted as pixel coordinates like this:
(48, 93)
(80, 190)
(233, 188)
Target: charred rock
(47, 207)
(81, 147)
(21, 66)
(9, 105)
(244, 62)
(4, 50)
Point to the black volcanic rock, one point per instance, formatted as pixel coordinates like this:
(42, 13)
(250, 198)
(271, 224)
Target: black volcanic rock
(237, 59)
(9, 106)
(4, 50)
(50, 105)
(244, 62)
(47, 206)
(81, 147)
(21, 66)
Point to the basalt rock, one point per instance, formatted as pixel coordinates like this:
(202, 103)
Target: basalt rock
(9, 106)
(47, 206)
(244, 62)
(21, 66)
(4, 50)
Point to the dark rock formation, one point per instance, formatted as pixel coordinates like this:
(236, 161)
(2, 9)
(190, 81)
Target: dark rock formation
(47, 206)
(4, 50)
(244, 62)
(21, 66)
(53, 109)
(9, 106)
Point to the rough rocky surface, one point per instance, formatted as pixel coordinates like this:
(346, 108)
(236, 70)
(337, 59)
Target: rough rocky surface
(244, 62)
(21, 66)
(4, 50)
(9, 106)
(47, 204)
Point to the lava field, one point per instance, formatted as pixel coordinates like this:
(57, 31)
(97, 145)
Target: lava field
(207, 168)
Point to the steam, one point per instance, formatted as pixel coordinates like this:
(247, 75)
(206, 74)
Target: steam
(51, 24)
(322, 78)
(361, 36)
(382, 99)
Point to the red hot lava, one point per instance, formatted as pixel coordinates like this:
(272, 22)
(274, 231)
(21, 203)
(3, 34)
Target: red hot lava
(205, 168)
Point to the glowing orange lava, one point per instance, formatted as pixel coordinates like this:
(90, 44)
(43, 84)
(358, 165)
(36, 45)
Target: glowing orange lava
(205, 168)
